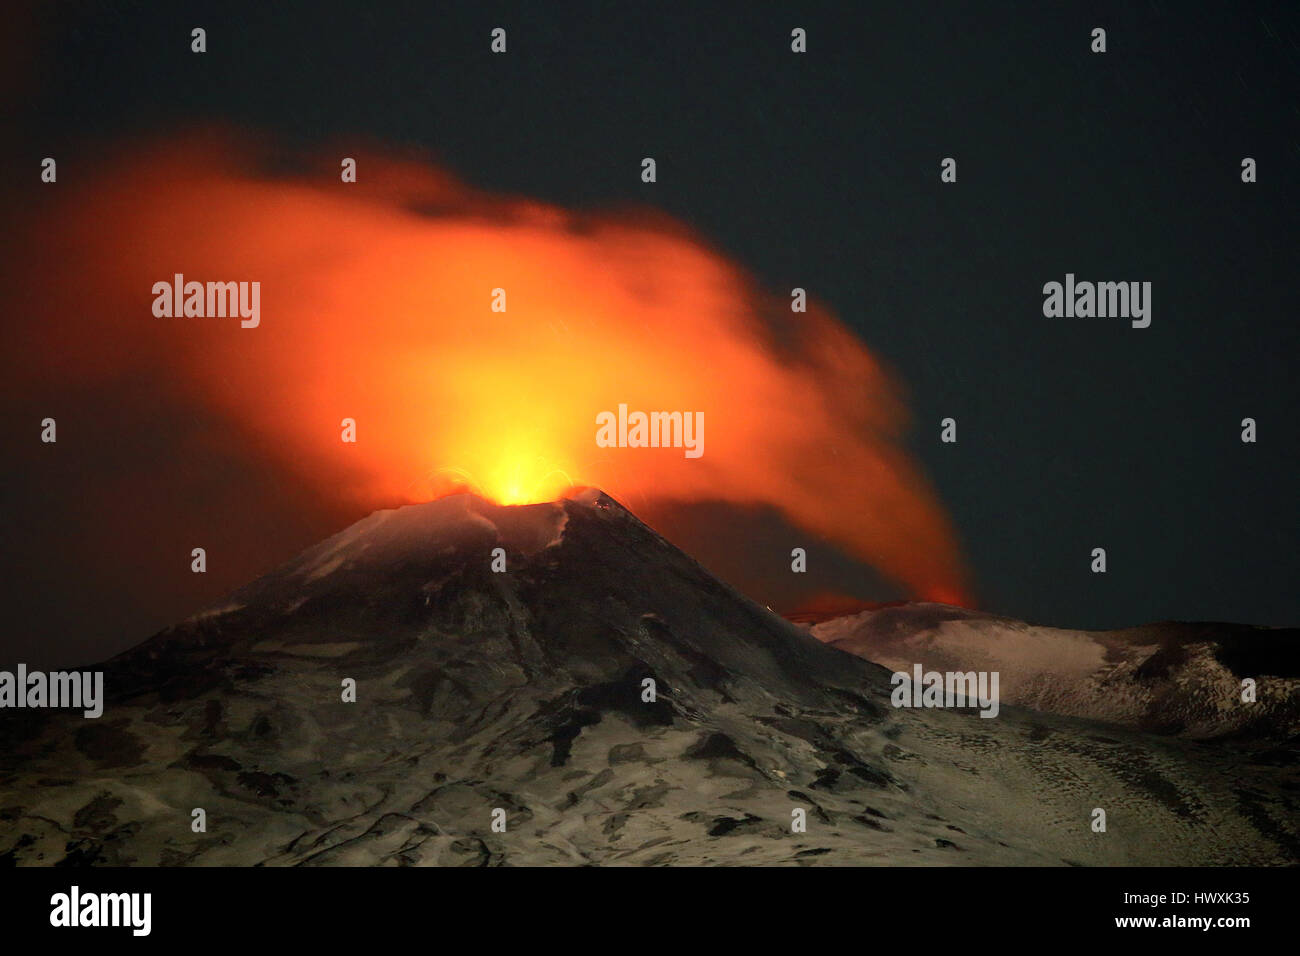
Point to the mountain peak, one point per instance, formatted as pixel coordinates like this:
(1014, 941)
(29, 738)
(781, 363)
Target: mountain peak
(379, 698)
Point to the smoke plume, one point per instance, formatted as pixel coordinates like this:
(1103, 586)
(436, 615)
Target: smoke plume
(376, 305)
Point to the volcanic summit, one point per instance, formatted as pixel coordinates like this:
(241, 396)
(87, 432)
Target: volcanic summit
(587, 693)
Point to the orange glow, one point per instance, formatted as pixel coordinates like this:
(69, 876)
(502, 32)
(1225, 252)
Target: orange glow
(376, 306)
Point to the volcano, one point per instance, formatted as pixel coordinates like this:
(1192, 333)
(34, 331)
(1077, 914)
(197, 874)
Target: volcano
(459, 682)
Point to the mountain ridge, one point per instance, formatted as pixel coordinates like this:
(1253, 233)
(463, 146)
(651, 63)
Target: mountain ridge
(524, 691)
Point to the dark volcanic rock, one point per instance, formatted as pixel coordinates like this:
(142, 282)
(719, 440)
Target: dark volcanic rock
(524, 692)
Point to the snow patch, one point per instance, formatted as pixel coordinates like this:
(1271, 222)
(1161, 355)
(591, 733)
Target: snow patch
(216, 611)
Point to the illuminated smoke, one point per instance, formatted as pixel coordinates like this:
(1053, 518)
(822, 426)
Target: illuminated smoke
(375, 305)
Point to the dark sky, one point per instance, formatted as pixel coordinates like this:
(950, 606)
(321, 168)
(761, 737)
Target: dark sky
(820, 171)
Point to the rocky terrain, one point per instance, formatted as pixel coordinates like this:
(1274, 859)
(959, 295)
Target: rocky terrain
(1168, 678)
(525, 691)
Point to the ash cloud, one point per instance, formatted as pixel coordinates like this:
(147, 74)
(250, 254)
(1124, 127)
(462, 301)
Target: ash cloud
(375, 306)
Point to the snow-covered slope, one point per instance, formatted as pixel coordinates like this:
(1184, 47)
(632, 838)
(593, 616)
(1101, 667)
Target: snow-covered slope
(1170, 678)
(525, 692)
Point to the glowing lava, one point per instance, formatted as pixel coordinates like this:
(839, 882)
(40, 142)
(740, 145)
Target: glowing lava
(377, 306)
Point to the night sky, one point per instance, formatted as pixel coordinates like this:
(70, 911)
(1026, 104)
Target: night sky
(818, 170)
